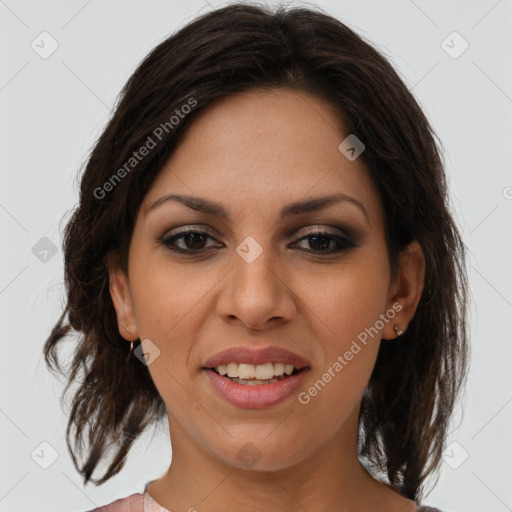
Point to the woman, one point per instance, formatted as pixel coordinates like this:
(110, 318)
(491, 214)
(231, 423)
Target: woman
(263, 252)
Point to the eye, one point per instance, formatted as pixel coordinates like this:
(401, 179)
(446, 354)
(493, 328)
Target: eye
(321, 241)
(190, 241)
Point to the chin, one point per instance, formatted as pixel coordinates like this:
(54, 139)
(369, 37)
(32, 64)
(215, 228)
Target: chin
(259, 456)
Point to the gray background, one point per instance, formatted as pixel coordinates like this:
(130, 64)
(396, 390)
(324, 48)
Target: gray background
(52, 110)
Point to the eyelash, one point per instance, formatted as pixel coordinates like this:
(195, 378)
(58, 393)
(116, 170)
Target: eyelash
(344, 242)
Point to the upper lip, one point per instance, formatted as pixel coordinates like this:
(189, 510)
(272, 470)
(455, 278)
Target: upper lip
(243, 354)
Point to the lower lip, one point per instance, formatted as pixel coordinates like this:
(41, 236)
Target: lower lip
(255, 397)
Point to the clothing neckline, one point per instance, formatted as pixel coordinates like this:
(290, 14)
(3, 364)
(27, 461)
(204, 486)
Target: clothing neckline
(149, 503)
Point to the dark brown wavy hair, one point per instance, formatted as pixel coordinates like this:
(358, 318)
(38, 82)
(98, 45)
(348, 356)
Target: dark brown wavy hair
(408, 404)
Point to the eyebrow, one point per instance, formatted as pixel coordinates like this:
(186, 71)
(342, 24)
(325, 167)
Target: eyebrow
(296, 208)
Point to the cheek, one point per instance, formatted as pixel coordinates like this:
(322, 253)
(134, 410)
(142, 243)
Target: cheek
(170, 308)
(345, 308)
(346, 320)
(167, 296)
(348, 299)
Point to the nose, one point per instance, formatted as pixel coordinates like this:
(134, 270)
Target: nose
(257, 295)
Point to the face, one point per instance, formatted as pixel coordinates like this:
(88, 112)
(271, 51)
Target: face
(257, 273)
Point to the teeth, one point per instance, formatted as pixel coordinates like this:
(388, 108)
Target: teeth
(250, 371)
(253, 382)
(279, 368)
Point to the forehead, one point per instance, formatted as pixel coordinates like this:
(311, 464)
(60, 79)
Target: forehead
(265, 147)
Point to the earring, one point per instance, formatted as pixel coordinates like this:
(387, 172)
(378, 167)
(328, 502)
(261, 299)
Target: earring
(128, 330)
(129, 353)
(398, 331)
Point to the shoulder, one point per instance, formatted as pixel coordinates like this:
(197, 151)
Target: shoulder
(132, 503)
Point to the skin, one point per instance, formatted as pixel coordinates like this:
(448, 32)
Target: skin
(254, 153)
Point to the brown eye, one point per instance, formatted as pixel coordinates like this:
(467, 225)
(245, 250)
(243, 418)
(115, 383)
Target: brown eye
(321, 241)
(190, 241)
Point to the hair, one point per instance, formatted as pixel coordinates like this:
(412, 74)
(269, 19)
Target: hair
(408, 403)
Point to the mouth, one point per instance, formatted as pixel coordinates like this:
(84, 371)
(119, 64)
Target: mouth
(251, 377)
(256, 393)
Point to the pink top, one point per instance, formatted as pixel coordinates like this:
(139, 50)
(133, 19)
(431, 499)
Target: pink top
(145, 503)
(134, 503)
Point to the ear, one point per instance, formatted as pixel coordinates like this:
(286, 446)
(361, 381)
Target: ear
(122, 299)
(406, 290)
